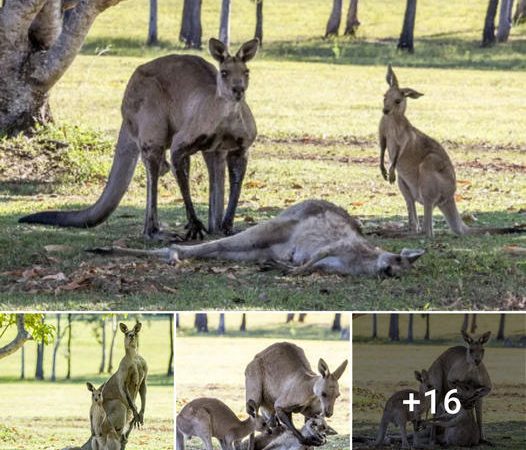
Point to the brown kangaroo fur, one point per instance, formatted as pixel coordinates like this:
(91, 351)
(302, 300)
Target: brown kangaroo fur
(462, 364)
(397, 412)
(425, 171)
(312, 235)
(184, 103)
(104, 436)
(280, 380)
(209, 418)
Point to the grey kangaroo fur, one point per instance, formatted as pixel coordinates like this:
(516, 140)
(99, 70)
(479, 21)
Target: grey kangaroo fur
(312, 235)
(209, 418)
(397, 413)
(462, 364)
(280, 380)
(425, 171)
(183, 103)
(104, 436)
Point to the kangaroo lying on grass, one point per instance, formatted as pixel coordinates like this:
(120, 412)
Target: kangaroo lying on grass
(397, 412)
(280, 380)
(184, 103)
(209, 417)
(312, 235)
(462, 364)
(425, 171)
(104, 436)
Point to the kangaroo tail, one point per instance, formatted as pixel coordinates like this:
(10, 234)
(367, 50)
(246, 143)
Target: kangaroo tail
(168, 254)
(382, 430)
(123, 167)
(505, 230)
(452, 216)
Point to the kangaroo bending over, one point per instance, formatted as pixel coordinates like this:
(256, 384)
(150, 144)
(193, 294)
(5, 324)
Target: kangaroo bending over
(397, 412)
(312, 235)
(462, 364)
(425, 171)
(104, 436)
(184, 103)
(280, 380)
(209, 417)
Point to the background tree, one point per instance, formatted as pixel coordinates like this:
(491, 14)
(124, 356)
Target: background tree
(38, 43)
(520, 12)
(405, 43)
(191, 28)
(23, 363)
(59, 335)
(337, 322)
(410, 329)
(503, 32)
(259, 21)
(103, 344)
(224, 22)
(201, 323)
(170, 370)
(333, 24)
(152, 38)
(39, 369)
(502, 324)
(352, 23)
(221, 327)
(394, 330)
(488, 33)
(68, 351)
(22, 336)
(374, 334)
(243, 327)
(427, 335)
(114, 328)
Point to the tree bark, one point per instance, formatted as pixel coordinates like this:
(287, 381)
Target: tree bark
(221, 327)
(352, 23)
(38, 43)
(114, 329)
(474, 325)
(465, 323)
(290, 317)
(405, 43)
(427, 336)
(337, 322)
(20, 339)
(243, 327)
(520, 12)
(374, 334)
(39, 370)
(55, 351)
(259, 22)
(103, 345)
(70, 321)
(224, 22)
(503, 33)
(201, 323)
(170, 370)
(410, 329)
(502, 323)
(152, 25)
(23, 363)
(301, 317)
(333, 24)
(394, 331)
(488, 34)
(191, 29)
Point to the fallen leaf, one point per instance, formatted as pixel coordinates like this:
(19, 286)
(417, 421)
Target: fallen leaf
(515, 250)
(56, 277)
(355, 204)
(297, 186)
(464, 182)
(253, 184)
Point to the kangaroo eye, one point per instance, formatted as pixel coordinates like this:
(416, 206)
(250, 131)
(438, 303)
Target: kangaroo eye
(324, 394)
(224, 73)
(247, 73)
(398, 101)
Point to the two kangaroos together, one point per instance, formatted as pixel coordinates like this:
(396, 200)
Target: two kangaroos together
(460, 368)
(279, 381)
(113, 413)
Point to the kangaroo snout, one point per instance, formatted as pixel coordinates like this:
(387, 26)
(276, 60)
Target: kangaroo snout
(386, 111)
(239, 92)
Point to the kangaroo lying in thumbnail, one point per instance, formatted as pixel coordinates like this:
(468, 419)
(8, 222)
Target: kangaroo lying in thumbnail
(312, 235)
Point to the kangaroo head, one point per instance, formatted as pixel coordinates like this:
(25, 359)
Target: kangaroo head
(475, 347)
(468, 392)
(96, 394)
(233, 75)
(326, 387)
(263, 423)
(131, 337)
(392, 264)
(318, 425)
(395, 98)
(425, 382)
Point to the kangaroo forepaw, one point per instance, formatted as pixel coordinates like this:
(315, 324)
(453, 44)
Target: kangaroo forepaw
(383, 171)
(163, 236)
(392, 175)
(195, 229)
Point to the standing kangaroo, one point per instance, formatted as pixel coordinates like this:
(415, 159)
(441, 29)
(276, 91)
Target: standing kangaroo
(312, 235)
(184, 103)
(462, 364)
(280, 380)
(104, 436)
(209, 417)
(397, 412)
(425, 171)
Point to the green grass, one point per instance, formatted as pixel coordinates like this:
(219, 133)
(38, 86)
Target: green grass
(51, 415)
(317, 104)
(205, 366)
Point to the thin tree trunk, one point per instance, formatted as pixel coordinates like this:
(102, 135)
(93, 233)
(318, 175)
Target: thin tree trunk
(55, 351)
(259, 21)
(201, 323)
(103, 345)
(502, 323)
(465, 323)
(375, 327)
(170, 370)
(427, 336)
(474, 325)
(352, 23)
(221, 327)
(520, 12)
(406, 41)
(70, 330)
(114, 329)
(337, 322)
(290, 317)
(152, 25)
(301, 317)
(191, 29)
(394, 331)
(503, 33)
(410, 329)
(243, 327)
(333, 24)
(39, 371)
(177, 321)
(488, 34)
(23, 363)
(224, 22)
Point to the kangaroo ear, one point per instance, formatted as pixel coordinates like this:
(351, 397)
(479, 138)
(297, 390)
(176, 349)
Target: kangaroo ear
(252, 408)
(123, 327)
(339, 371)
(467, 338)
(411, 93)
(323, 368)
(485, 337)
(411, 255)
(391, 77)
(137, 327)
(482, 391)
(101, 387)
(418, 376)
(329, 431)
(217, 49)
(248, 50)
(91, 388)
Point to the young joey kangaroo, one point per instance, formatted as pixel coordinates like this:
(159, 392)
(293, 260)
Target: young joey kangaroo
(183, 103)
(209, 418)
(395, 411)
(104, 436)
(425, 172)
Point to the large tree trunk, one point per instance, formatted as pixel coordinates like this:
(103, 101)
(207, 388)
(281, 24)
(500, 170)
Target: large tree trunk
(333, 24)
(337, 322)
(191, 29)
(22, 336)
(488, 34)
(259, 21)
(352, 23)
(502, 323)
(201, 323)
(394, 330)
(503, 32)
(38, 43)
(405, 42)
(224, 22)
(152, 25)
(520, 12)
